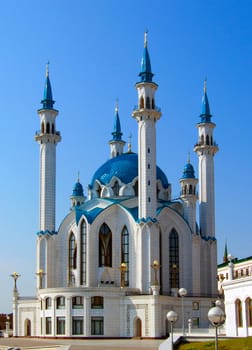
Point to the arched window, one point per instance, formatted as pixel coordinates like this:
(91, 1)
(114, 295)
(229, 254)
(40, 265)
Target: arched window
(72, 255)
(147, 102)
(202, 140)
(249, 312)
(83, 254)
(174, 259)
(48, 303)
(53, 128)
(105, 246)
(136, 188)
(211, 140)
(116, 188)
(207, 140)
(238, 310)
(125, 253)
(47, 128)
(190, 189)
(42, 128)
(141, 102)
(153, 103)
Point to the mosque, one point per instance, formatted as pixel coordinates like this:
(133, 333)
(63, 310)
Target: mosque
(115, 265)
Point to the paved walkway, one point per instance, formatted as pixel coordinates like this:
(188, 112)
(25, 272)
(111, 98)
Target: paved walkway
(82, 344)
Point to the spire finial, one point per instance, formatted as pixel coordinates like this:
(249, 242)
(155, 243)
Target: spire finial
(47, 68)
(116, 107)
(145, 38)
(78, 176)
(129, 142)
(188, 160)
(205, 85)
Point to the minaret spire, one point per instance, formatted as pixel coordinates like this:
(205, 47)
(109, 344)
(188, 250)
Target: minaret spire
(205, 110)
(116, 144)
(146, 73)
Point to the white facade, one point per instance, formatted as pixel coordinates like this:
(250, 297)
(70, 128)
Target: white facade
(115, 265)
(235, 283)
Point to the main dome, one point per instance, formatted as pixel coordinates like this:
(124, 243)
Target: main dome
(125, 168)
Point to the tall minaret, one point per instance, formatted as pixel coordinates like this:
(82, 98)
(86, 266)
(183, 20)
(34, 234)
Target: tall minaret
(146, 115)
(47, 137)
(116, 144)
(206, 149)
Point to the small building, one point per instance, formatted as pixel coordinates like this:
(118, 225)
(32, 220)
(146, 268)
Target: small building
(235, 285)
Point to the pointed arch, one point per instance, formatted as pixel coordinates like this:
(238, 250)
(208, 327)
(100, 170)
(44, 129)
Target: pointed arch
(83, 252)
(141, 102)
(248, 304)
(27, 327)
(47, 128)
(137, 327)
(174, 259)
(42, 128)
(125, 254)
(116, 188)
(207, 140)
(238, 312)
(105, 246)
(72, 258)
(147, 102)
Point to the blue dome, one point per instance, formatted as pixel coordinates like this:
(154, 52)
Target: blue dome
(78, 190)
(125, 168)
(188, 172)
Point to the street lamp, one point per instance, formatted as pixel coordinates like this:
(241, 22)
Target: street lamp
(216, 317)
(15, 276)
(156, 266)
(172, 317)
(123, 268)
(183, 292)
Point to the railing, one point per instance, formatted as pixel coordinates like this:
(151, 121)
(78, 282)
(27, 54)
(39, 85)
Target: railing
(136, 108)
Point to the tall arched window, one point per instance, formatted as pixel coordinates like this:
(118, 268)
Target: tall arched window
(47, 128)
(72, 255)
(105, 246)
(238, 310)
(125, 253)
(83, 254)
(174, 259)
(147, 102)
(249, 311)
(141, 102)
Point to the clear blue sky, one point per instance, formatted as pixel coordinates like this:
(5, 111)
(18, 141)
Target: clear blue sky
(94, 49)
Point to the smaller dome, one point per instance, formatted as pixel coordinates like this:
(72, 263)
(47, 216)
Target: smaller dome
(188, 172)
(78, 190)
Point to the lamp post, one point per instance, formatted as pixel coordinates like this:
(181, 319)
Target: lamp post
(183, 293)
(40, 275)
(172, 317)
(216, 317)
(123, 268)
(15, 276)
(156, 266)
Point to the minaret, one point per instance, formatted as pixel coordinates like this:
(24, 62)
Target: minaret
(116, 144)
(188, 194)
(146, 115)
(47, 137)
(206, 149)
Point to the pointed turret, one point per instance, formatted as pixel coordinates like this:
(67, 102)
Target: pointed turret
(146, 74)
(188, 194)
(116, 144)
(205, 111)
(47, 101)
(225, 256)
(77, 197)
